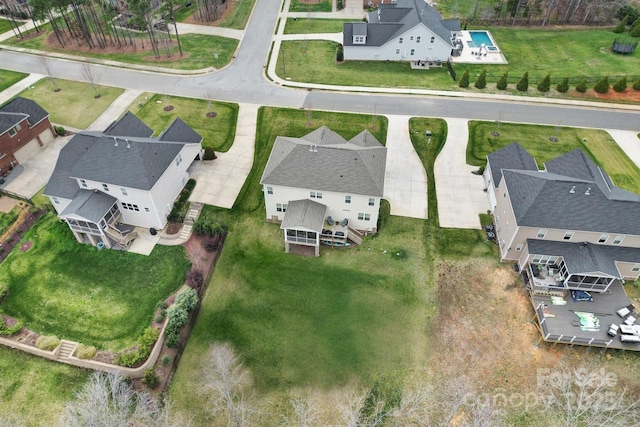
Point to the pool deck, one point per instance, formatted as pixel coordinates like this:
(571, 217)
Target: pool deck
(467, 56)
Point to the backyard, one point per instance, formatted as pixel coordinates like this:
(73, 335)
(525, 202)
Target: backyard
(9, 78)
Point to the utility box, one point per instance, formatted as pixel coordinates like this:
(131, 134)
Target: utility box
(427, 133)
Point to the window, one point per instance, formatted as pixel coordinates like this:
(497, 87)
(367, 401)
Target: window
(130, 207)
(358, 39)
(319, 195)
(401, 40)
(281, 207)
(519, 247)
(178, 159)
(55, 200)
(541, 233)
(83, 183)
(418, 39)
(372, 202)
(146, 209)
(397, 51)
(433, 39)
(269, 190)
(618, 240)
(364, 216)
(312, 194)
(568, 235)
(12, 132)
(636, 268)
(603, 238)
(412, 51)
(124, 191)
(105, 187)
(347, 199)
(411, 38)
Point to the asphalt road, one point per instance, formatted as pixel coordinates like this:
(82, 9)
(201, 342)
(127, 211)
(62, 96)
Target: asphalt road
(244, 81)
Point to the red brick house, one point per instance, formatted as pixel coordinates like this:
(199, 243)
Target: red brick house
(24, 129)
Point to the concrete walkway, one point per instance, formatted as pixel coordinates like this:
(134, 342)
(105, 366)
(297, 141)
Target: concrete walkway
(115, 110)
(23, 84)
(405, 185)
(219, 181)
(460, 193)
(629, 142)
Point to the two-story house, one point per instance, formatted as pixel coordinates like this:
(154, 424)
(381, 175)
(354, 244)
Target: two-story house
(322, 187)
(24, 129)
(402, 30)
(107, 183)
(568, 226)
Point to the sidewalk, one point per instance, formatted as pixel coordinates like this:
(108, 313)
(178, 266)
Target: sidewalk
(208, 30)
(23, 84)
(629, 142)
(115, 110)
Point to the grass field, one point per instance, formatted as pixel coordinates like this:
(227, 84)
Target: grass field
(309, 26)
(535, 139)
(74, 105)
(298, 6)
(108, 305)
(6, 25)
(218, 132)
(9, 78)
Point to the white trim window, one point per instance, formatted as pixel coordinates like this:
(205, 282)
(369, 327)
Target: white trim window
(124, 191)
(542, 233)
(347, 199)
(568, 235)
(281, 207)
(83, 183)
(105, 187)
(269, 190)
(178, 159)
(618, 240)
(401, 40)
(603, 238)
(636, 268)
(519, 247)
(372, 202)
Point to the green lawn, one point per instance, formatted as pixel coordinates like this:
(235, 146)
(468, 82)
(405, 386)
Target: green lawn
(308, 26)
(33, 391)
(9, 78)
(239, 16)
(102, 298)
(75, 104)
(535, 139)
(298, 6)
(6, 25)
(218, 132)
(7, 219)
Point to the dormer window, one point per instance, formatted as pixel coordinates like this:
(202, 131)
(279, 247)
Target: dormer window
(359, 39)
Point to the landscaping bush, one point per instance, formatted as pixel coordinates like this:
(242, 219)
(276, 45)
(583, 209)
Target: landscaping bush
(464, 80)
(340, 54)
(621, 27)
(582, 86)
(563, 86)
(502, 83)
(141, 351)
(150, 379)
(4, 288)
(621, 84)
(85, 352)
(481, 83)
(603, 85)
(47, 342)
(187, 299)
(195, 280)
(523, 84)
(545, 84)
(635, 31)
(181, 205)
(209, 154)
(178, 314)
(60, 131)
(636, 84)
(9, 330)
(206, 226)
(161, 316)
(212, 242)
(166, 360)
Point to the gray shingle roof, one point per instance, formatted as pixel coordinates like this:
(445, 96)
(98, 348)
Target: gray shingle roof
(318, 161)
(9, 120)
(304, 214)
(130, 126)
(179, 131)
(359, 28)
(25, 106)
(586, 257)
(393, 19)
(90, 205)
(513, 156)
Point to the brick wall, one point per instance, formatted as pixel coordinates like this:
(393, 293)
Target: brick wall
(9, 145)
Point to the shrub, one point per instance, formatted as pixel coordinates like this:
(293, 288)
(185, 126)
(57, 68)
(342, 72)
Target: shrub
(636, 23)
(621, 84)
(85, 352)
(545, 84)
(166, 360)
(190, 185)
(523, 84)
(177, 316)
(502, 83)
(60, 131)
(481, 83)
(47, 342)
(9, 330)
(187, 299)
(209, 154)
(209, 227)
(195, 279)
(563, 86)
(621, 27)
(636, 84)
(212, 243)
(582, 86)
(603, 85)
(173, 337)
(161, 316)
(464, 80)
(635, 31)
(4, 288)
(340, 54)
(150, 379)
(141, 351)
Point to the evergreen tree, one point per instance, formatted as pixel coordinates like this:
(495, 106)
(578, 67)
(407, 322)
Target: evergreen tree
(603, 85)
(545, 84)
(563, 86)
(582, 86)
(635, 31)
(636, 84)
(621, 27)
(621, 84)
(523, 84)
(502, 83)
(481, 83)
(464, 80)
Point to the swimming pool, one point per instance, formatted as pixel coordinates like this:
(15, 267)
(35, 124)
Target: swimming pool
(478, 38)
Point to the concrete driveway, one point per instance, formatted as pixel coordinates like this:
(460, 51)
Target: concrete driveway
(405, 185)
(29, 177)
(219, 181)
(460, 193)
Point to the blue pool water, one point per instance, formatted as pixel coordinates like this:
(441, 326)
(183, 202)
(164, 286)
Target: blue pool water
(479, 37)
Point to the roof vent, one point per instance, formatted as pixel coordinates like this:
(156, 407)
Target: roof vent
(573, 190)
(313, 148)
(128, 146)
(586, 193)
(115, 141)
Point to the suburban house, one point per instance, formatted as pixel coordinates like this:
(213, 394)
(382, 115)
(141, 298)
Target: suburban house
(19, 8)
(322, 188)
(105, 184)
(571, 232)
(24, 130)
(402, 30)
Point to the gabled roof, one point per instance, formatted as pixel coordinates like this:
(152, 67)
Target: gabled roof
(26, 106)
(130, 126)
(323, 160)
(89, 205)
(513, 156)
(393, 19)
(9, 120)
(304, 214)
(586, 257)
(179, 131)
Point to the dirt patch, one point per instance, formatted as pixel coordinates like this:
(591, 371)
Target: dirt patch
(629, 95)
(25, 246)
(229, 6)
(212, 114)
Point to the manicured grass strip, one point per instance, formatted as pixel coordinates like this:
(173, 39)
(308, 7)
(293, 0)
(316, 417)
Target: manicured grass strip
(298, 6)
(9, 78)
(239, 15)
(6, 25)
(102, 298)
(33, 391)
(75, 104)
(535, 139)
(218, 132)
(309, 26)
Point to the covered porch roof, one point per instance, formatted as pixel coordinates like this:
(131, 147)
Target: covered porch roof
(304, 214)
(89, 205)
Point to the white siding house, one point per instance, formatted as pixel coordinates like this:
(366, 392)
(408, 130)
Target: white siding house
(404, 30)
(107, 183)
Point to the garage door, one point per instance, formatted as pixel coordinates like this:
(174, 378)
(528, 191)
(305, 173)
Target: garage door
(28, 151)
(46, 136)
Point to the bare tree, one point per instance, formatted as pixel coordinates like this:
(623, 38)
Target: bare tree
(91, 76)
(224, 381)
(48, 69)
(306, 414)
(350, 408)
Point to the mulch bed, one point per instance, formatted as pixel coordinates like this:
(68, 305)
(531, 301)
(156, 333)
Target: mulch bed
(173, 228)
